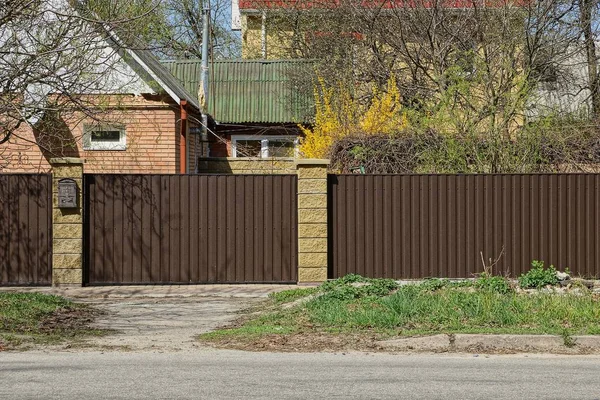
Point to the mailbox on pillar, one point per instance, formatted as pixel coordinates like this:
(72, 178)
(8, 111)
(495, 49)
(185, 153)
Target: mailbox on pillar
(67, 193)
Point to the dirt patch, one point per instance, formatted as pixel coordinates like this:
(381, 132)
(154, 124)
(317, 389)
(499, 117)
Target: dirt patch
(63, 328)
(70, 319)
(496, 344)
(314, 341)
(302, 342)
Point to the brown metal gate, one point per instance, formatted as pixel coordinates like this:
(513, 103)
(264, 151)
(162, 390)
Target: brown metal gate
(190, 229)
(25, 229)
(415, 226)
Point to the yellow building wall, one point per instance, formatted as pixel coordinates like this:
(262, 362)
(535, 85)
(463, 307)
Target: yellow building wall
(278, 43)
(278, 46)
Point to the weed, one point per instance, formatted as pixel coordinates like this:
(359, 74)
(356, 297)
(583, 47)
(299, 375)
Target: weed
(354, 286)
(433, 284)
(491, 283)
(538, 276)
(568, 340)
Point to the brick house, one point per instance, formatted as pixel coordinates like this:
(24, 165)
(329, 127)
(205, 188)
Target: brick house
(257, 106)
(140, 126)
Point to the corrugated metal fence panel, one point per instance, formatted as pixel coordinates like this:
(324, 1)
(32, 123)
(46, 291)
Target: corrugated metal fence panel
(25, 229)
(191, 228)
(416, 226)
(259, 91)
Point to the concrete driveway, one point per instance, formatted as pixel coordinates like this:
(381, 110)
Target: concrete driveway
(162, 318)
(167, 324)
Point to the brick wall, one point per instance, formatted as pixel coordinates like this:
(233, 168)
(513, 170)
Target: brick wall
(312, 220)
(67, 226)
(222, 147)
(231, 165)
(152, 129)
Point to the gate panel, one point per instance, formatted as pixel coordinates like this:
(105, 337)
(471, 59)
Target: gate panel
(190, 229)
(25, 229)
(417, 226)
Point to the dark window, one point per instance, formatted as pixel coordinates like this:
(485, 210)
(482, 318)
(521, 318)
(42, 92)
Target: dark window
(106, 136)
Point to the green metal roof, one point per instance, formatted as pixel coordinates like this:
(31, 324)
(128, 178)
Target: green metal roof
(252, 91)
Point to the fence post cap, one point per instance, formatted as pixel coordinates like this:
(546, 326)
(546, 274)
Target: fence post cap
(312, 161)
(67, 160)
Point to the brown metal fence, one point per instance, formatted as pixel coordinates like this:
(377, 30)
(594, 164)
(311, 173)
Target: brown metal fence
(415, 226)
(190, 229)
(25, 229)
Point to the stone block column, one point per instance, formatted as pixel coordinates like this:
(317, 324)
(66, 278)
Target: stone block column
(67, 226)
(312, 220)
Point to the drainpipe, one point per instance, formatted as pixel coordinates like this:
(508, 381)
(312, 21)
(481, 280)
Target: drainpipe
(183, 148)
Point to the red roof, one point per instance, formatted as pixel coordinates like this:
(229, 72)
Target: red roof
(387, 4)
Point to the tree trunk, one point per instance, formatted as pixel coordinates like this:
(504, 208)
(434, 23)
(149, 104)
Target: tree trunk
(585, 17)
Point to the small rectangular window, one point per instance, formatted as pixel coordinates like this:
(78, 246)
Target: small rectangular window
(102, 137)
(264, 146)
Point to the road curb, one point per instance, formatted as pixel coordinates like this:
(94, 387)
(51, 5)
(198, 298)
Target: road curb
(480, 343)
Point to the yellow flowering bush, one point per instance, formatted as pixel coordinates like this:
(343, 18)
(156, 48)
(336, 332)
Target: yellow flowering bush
(339, 114)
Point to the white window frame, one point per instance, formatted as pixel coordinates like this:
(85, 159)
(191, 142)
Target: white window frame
(264, 143)
(88, 144)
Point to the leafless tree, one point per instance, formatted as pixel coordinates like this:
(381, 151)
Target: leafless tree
(54, 57)
(183, 37)
(434, 48)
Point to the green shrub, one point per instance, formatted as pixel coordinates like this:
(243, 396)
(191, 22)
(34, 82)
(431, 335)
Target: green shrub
(491, 283)
(538, 276)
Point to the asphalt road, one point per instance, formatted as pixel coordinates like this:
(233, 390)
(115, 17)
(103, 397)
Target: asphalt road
(212, 374)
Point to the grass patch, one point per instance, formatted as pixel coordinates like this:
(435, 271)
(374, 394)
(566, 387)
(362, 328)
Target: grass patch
(360, 306)
(412, 310)
(23, 312)
(250, 331)
(280, 322)
(287, 296)
(36, 318)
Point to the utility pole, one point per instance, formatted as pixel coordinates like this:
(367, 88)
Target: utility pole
(263, 36)
(204, 93)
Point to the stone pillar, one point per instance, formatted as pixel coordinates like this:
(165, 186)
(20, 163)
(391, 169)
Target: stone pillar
(312, 220)
(67, 226)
